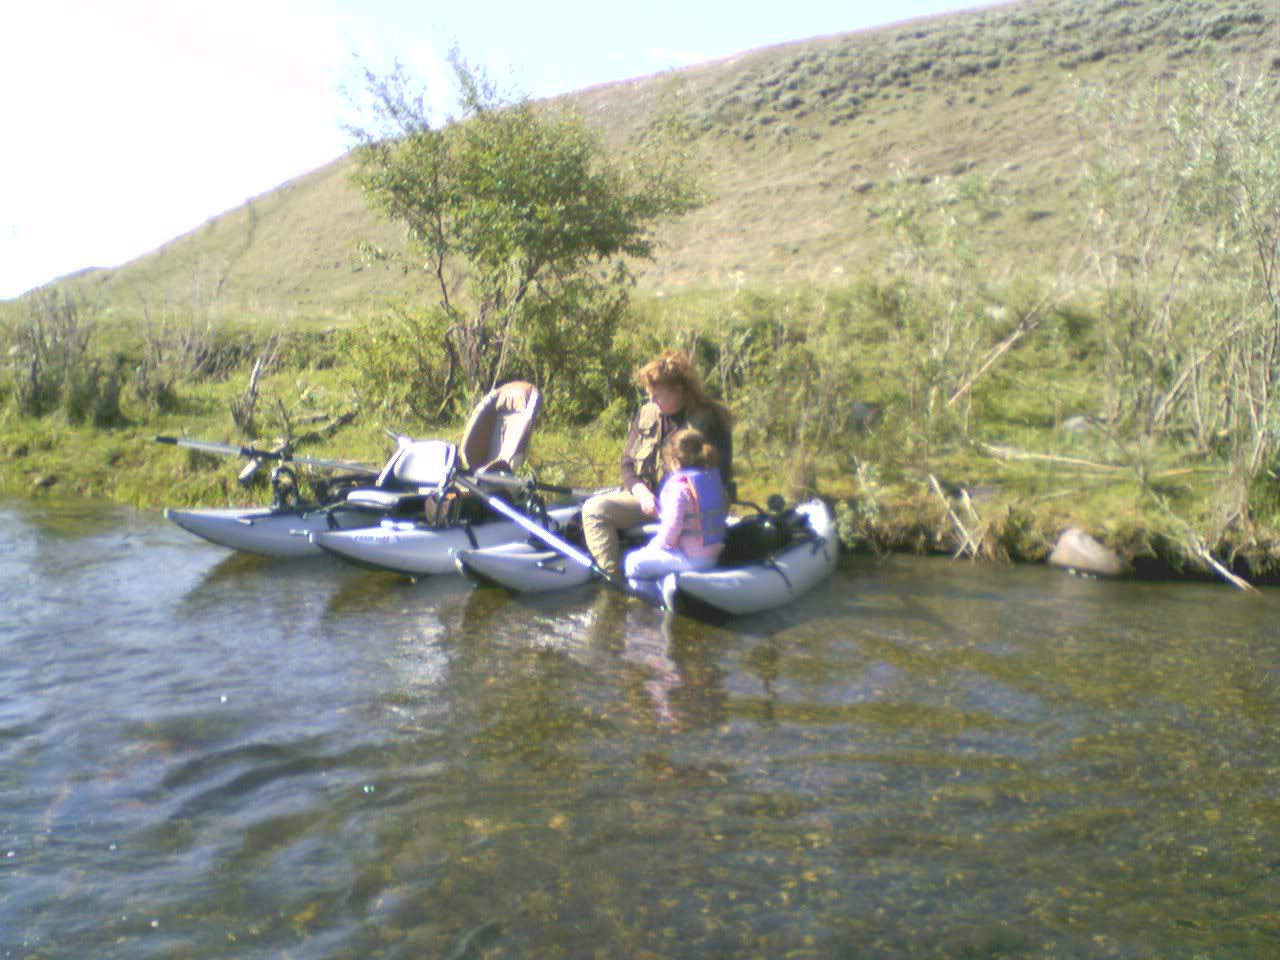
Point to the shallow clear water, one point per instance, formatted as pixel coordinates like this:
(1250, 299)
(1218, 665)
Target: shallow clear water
(207, 755)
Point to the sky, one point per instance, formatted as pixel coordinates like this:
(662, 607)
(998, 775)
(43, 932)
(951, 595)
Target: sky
(127, 123)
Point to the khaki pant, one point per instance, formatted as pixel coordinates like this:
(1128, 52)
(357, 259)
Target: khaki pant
(602, 517)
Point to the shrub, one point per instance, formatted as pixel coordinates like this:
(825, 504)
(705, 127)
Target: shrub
(399, 367)
(49, 360)
(172, 353)
(91, 396)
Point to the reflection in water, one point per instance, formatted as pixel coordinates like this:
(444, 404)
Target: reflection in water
(648, 646)
(675, 661)
(219, 756)
(672, 680)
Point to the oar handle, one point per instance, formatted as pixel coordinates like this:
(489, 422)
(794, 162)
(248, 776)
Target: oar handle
(580, 493)
(516, 483)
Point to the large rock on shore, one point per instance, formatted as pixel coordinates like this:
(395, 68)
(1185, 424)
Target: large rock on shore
(1079, 552)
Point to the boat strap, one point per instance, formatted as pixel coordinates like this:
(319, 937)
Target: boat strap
(771, 564)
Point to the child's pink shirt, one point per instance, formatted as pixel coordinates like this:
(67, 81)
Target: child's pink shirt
(675, 501)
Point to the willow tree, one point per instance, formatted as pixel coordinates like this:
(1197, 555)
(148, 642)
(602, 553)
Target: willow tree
(525, 224)
(1185, 239)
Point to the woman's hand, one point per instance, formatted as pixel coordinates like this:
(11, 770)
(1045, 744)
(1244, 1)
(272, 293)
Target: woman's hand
(648, 502)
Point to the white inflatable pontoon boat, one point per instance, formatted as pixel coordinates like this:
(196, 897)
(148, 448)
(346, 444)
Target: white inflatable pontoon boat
(417, 474)
(751, 587)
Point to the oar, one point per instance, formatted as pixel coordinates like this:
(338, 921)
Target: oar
(518, 485)
(253, 453)
(556, 542)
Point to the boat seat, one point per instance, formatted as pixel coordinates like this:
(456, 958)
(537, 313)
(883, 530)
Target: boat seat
(386, 501)
(419, 463)
(495, 439)
(497, 434)
(417, 468)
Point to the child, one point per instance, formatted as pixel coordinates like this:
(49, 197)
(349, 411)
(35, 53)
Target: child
(691, 512)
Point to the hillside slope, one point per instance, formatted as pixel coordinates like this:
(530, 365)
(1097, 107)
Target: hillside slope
(799, 139)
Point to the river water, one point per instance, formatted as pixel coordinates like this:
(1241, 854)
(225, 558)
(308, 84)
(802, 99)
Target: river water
(206, 755)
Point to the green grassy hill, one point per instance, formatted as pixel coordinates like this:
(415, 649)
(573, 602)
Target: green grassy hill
(800, 140)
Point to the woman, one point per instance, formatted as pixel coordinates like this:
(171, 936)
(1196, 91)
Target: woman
(675, 399)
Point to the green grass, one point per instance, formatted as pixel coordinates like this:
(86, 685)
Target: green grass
(1021, 504)
(799, 141)
(125, 465)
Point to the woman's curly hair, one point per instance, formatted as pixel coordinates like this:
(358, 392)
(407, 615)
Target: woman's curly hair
(673, 368)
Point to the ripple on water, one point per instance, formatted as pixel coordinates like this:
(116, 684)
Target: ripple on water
(207, 754)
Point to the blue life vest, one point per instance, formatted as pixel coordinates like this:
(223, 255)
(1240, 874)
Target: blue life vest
(709, 504)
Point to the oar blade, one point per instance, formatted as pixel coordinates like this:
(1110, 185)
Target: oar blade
(252, 453)
(324, 464)
(209, 446)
